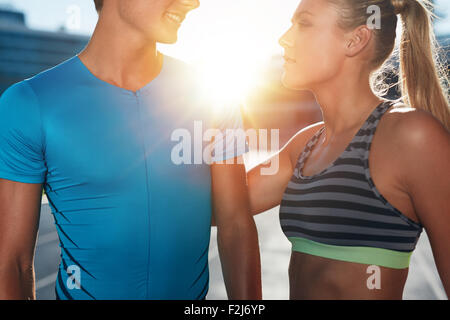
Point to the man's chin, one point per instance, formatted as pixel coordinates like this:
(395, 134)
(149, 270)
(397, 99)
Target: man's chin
(168, 41)
(170, 38)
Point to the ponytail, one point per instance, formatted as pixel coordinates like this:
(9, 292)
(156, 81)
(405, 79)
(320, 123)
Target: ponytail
(423, 78)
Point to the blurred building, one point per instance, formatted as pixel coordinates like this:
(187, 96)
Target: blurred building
(25, 52)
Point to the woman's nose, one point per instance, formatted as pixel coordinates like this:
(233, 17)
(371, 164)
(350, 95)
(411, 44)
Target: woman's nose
(285, 40)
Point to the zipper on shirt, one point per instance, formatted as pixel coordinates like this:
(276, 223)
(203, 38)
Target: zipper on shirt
(138, 102)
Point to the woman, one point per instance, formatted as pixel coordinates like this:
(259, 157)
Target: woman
(356, 189)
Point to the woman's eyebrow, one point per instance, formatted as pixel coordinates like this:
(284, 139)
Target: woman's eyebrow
(298, 14)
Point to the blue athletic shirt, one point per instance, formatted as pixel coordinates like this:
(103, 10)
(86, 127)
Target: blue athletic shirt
(132, 224)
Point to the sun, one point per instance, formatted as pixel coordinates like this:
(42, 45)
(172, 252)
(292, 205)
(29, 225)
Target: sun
(230, 57)
(231, 46)
(225, 84)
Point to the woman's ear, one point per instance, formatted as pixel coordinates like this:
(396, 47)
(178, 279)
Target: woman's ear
(358, 40)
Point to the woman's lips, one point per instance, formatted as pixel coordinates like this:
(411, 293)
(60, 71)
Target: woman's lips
(288, 60)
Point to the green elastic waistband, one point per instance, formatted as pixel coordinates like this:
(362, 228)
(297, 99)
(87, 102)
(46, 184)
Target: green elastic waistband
(365, 255)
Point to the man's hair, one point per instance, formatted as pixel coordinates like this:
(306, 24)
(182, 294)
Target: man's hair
(98, 5)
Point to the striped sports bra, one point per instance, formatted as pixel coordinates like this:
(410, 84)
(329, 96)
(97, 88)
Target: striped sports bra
(340, 214)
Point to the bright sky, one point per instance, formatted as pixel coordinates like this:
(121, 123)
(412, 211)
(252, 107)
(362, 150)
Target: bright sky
(236, 25)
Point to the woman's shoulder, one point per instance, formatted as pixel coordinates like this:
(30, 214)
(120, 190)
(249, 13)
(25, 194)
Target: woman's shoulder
(407, 125)
(409, 136)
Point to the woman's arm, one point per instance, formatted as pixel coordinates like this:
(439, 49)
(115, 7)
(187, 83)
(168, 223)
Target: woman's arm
(425, 155)
(266, 187)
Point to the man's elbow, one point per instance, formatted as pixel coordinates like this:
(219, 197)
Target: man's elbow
(22, 268)
(243, 223)
(17, 281)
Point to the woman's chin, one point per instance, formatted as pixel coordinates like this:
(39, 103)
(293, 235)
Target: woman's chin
(292, 84)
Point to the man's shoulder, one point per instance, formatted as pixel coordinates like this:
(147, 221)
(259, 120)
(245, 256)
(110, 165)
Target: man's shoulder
(16, 95)
(54, 76)
(40, 89)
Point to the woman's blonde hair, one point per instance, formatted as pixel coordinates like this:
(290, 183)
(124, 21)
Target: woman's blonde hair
(423, 77)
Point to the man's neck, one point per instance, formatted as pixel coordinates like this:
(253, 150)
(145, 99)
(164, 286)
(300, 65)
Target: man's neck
(120, 55)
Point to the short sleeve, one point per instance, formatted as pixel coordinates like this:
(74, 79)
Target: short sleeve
(231, 142)
(21, 139)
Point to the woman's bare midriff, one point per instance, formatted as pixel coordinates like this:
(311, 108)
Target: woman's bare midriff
(313, 277)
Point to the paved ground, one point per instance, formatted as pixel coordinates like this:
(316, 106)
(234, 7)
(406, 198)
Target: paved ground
(423, 281)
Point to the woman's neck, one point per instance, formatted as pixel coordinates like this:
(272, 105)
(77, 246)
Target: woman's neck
(346, 102)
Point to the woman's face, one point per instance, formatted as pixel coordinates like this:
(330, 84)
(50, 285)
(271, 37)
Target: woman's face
(313, 45)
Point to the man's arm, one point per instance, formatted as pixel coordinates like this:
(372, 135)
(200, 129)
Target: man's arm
(22, 172)
(20, 205)
(237, 236)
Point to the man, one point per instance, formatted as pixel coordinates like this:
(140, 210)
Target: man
(97, 133)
